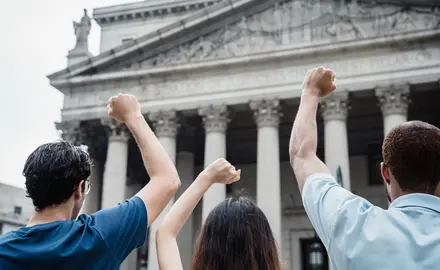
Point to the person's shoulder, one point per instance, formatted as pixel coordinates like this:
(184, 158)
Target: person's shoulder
(318, 181)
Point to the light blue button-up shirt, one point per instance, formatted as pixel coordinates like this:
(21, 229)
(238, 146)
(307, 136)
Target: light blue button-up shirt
(361, 236)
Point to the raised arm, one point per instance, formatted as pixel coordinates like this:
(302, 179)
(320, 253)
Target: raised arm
(168, 254)
(164, 180)
(304, 137)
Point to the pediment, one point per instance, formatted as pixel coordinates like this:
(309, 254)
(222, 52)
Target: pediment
(286, 24)
(297, 24)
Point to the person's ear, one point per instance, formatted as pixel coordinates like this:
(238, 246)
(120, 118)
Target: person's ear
(79, 191)
(385, 173)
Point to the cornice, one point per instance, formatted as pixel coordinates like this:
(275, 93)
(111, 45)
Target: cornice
(323, 48)
(147, 10)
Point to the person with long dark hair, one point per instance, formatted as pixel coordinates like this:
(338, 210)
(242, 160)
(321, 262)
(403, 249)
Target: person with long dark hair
(235, 236)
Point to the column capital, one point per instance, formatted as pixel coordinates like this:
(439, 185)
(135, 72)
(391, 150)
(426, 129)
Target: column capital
(165, 123)
(335, 106)
(70, 131)
(394, 99)
(215, 118)
(116, 130)
(266, 112)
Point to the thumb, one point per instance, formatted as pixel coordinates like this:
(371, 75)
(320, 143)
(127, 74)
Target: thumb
(236, 177)
(109, 109)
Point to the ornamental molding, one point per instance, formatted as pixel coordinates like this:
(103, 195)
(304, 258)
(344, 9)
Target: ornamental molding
(394, 99)
(140, 12)
(335, 106)
(266, 112)
(70, 131)
(215, 118)
(178, 86)
(165, 123)
(116, 130)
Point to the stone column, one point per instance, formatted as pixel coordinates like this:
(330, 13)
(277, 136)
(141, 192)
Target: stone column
(185, 167)
(334, 112)
(115, 170)
(393, 101)
(166, 127)
(215, 119)
(72, 132)
(267, 116)
(92, 203)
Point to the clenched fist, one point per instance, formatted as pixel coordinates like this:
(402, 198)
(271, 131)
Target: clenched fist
(222, 172)
(319, 82)
(123, 107)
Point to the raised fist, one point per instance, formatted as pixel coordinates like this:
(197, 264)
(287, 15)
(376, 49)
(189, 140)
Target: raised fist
(319, 82)
(222, 172)
(123, 107)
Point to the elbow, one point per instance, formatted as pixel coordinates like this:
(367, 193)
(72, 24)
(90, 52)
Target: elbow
(299, 153)
(172, 183)
(293, 154)
(164, 233)
(175, 183)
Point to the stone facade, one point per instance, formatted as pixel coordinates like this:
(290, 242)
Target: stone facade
(223, 79)
(15, 208)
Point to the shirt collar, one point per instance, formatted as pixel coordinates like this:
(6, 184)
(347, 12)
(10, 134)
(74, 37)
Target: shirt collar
(418, 200)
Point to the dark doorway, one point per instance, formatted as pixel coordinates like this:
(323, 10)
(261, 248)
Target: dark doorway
(313, 254)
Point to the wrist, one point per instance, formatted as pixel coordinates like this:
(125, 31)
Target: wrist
(133, 119)
(310, 95)
(206, 179)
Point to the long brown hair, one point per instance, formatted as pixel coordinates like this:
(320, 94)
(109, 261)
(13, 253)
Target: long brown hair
(236, 236)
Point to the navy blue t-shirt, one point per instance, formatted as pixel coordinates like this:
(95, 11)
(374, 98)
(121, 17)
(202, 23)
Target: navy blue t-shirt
(100, 241)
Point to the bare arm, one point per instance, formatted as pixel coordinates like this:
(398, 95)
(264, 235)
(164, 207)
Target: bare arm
(168, 254)
(304, 136)
(167, 249)
(164, 179)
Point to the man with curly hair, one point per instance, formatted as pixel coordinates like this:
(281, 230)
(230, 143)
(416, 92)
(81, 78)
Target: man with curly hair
(57, 182)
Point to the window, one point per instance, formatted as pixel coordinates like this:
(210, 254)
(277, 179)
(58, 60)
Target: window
(17, 210)
(374, 160)
(313, 254)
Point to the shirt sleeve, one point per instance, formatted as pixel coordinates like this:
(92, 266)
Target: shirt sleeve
(123, 227)
(327, 203)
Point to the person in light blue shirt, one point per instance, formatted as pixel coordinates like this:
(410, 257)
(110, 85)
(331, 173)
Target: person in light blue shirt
(57, 182)
(357, 234)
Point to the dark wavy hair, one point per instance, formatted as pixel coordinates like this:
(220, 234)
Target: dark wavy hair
(411, 151)
(236, 236)
(53, 171)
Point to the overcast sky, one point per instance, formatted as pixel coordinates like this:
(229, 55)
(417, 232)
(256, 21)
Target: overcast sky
(35, 38)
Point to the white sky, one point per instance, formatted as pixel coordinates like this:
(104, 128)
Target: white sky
(35, 38)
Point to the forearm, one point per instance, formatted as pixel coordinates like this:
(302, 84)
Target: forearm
(156, 160)
(304, 136)
(304, 141)
(183, 207)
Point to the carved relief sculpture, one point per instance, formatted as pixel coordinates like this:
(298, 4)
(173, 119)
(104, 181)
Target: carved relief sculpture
(297, 22)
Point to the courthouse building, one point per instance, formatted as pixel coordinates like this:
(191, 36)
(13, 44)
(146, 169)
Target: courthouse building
(222, 78)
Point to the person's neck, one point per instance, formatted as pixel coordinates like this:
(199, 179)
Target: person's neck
(51, 214)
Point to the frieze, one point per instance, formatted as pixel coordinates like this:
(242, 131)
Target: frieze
(273, 74)
(298, 22)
